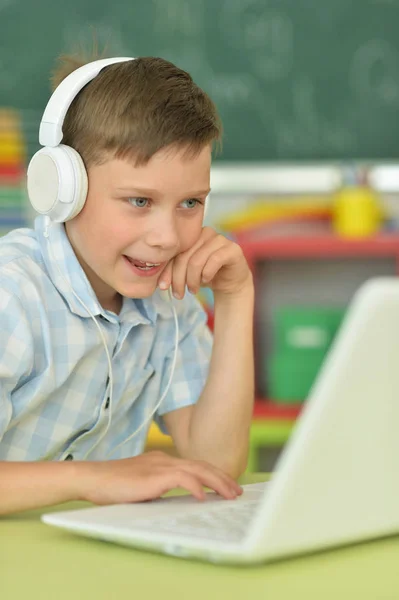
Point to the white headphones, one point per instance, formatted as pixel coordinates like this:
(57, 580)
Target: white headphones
(57, 178)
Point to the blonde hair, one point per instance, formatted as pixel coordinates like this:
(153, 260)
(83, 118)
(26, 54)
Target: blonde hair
(133, 109)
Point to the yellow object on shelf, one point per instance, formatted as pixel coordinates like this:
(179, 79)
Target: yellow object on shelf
(12, 152)
(12, 143)
(157, 439)
(357, 212)
(11, 136)
(271, 209)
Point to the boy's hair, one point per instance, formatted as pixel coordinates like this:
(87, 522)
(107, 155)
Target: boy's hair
(135, 108)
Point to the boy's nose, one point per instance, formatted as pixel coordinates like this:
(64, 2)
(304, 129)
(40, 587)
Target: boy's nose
(164, 236)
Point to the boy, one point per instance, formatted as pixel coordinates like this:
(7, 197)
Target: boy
(145, 133)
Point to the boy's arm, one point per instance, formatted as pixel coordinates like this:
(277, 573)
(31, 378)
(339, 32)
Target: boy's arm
(217, 428)
(29, 485)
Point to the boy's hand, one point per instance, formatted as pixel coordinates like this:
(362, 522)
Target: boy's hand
(147, 477)
(214, 262)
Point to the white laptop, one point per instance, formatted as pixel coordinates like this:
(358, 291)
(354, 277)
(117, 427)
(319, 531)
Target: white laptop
(336, 482)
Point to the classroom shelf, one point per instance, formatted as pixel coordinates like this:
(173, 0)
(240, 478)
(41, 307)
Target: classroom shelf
(273, 422)
(286, 269)
(319, 246)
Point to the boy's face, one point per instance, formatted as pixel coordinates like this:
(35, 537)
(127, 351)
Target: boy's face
(138, 215)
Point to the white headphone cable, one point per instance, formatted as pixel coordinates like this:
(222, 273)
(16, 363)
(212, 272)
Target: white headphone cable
(110, 372)
(167, 385)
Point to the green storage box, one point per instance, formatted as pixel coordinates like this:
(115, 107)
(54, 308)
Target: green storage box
(291, 375)
(305, 328)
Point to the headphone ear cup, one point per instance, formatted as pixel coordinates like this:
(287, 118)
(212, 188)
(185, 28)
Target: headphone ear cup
(57, 182)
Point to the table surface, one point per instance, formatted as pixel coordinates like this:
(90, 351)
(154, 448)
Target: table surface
(42, 562)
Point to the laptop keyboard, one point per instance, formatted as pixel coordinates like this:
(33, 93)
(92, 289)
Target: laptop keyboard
(224, 523)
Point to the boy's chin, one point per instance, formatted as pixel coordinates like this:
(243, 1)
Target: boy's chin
(143, 290)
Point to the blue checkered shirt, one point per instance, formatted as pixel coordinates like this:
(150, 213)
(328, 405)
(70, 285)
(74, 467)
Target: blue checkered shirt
(54, 385)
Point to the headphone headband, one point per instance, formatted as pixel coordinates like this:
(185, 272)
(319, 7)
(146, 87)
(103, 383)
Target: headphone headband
(50, 133)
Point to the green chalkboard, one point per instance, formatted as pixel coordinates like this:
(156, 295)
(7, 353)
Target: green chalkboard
(293, 79)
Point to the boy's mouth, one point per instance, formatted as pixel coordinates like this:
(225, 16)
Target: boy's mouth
(142, 265)
(143, 268)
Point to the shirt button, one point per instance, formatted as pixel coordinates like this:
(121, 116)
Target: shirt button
(107, 383)
(107, 404)
(69, 457)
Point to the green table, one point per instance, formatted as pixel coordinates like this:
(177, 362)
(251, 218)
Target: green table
(42, 562)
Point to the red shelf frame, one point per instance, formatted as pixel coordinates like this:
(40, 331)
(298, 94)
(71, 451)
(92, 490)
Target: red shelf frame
(318, 246)
(269, 410)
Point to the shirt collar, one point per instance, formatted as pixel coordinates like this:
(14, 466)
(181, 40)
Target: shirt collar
(68, 277)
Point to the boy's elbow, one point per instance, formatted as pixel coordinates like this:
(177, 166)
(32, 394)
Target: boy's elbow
(232, 466)
(235, 467)
(236, 471)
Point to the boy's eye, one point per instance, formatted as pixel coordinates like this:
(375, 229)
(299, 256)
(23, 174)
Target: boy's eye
(191, 202)
(139, 202)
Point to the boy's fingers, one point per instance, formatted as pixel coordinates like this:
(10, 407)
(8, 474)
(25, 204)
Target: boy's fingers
(193, 476)
(216, 261)
(166, 276)
(219, 482)
(200, 469)
(233, 485)
(179, 274)
(189, 482)
(199, 260)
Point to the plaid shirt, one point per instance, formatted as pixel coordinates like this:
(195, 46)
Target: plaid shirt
(54, 387)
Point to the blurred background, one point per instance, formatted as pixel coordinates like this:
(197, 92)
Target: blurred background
(308, 180)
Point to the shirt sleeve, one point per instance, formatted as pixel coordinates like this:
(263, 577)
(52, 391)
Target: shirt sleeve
(192, 362)
(16, 352)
